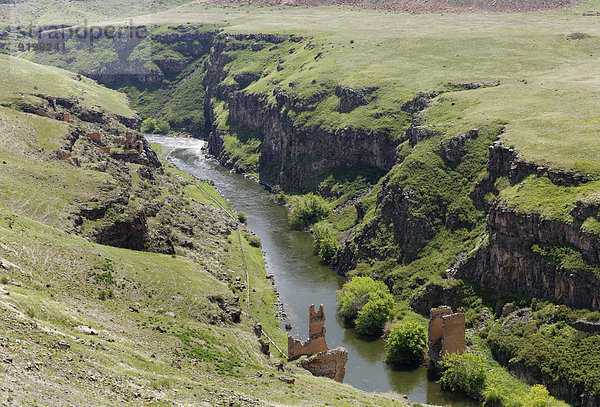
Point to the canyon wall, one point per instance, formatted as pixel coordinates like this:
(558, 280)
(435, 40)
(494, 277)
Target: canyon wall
(291, 155)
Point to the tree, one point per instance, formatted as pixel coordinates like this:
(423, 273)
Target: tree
(405, 344)
(308, 210)
(373, 316)
(325, 242)
(162, 127)
(372, 298)
(149, 125)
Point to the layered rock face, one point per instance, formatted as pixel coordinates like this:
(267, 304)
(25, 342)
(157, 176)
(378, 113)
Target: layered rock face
(507, 262)
(292, 155)
(410, 233)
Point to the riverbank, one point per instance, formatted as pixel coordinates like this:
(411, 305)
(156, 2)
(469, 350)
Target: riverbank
(302, 279)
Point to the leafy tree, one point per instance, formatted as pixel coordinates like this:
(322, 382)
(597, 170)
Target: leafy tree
(308, 210)
(325, 242)
(149, 125)
(466, 372)
(365, 303)
(162, 127)
(405, 344)
(373, 316)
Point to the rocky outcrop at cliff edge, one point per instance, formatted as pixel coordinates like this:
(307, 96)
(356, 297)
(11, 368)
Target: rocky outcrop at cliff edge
(504, 161)
(508, 263)
(291, 155)
(393, 208)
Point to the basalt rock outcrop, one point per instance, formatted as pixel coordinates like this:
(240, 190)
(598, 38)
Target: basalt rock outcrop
(454, 148)
(352, 98)
(291, 155)
(504, 161)
(410, 233)
(507, 262)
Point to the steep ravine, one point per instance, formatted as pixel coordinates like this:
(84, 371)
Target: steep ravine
(438, 215)
(296, 157)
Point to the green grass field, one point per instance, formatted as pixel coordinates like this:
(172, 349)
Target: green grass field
(547, 93)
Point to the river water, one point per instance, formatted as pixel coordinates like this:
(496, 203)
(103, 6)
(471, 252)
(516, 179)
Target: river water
(302, 279)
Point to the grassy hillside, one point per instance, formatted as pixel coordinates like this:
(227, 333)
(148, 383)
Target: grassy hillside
(467, 78)
(75, 12)
(56, 82)
(546, 93)
(88, 324)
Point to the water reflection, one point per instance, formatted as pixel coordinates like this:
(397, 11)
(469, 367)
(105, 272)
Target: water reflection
(302, 279)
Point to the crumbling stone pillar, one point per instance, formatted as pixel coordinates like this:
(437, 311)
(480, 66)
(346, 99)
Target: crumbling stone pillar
(316, 336)
(446, 332)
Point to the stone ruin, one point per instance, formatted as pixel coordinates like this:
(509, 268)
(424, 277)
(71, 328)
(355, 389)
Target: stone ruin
(446, 333)
(95, 136)
(321, 361)
(316, 336)
(331, 364)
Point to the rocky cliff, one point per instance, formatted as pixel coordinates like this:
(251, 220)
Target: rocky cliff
(508, 262)
(292, 155)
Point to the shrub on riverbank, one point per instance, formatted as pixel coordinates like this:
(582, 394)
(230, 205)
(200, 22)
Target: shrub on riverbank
(405, 344)
(486, 381)
(325, 241)
(151, 125)
(308, 210)
(365, 304)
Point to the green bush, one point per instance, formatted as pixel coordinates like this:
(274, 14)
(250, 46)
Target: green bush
(366, 304)
(538, 396)
(405, 344)
(325, 242)
(308, 210)
(464, 372)
(242, 216)
(151, 125)
(254, 241)
(163, 127)
(373, 316)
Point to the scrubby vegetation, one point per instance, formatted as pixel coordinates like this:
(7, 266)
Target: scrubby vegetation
(307, 210)
(365, 304)
(405, 344)
(485, 380)
(544, 343)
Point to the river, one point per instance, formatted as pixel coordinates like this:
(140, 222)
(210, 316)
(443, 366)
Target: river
(302, 279)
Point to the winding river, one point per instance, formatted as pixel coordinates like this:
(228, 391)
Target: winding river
(302, 279)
